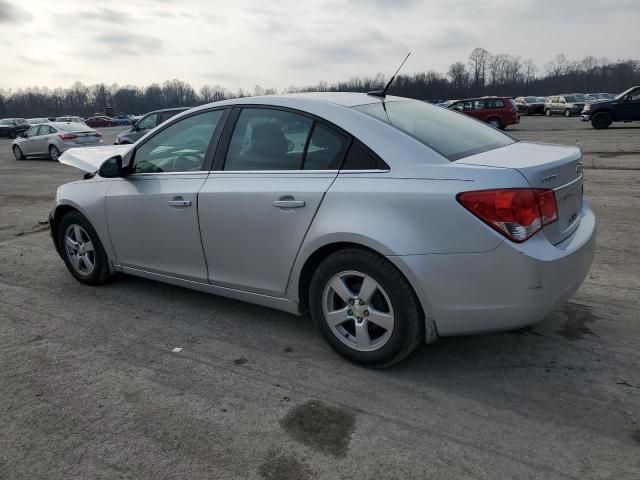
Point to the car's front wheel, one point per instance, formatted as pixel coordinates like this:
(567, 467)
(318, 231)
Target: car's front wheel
(365, 308)
(54, 153)
(82, 250)
(567, 113)
(17, 152)
(547, 112)
(601, 120)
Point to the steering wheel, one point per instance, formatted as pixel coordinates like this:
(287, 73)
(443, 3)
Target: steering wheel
(196, 143)
(193, 158)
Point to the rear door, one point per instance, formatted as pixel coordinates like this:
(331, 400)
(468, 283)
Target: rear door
(40, 142)
(256, 208)
(152, 213)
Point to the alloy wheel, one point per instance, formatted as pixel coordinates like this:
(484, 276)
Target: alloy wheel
(54, 153)
(358, 311)
(79, 250)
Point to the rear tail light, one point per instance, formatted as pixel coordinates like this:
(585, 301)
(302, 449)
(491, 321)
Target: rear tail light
(98, 134)
(517, 213)
(67, 136)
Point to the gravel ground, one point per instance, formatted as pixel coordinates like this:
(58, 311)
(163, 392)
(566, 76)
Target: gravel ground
(92, 390)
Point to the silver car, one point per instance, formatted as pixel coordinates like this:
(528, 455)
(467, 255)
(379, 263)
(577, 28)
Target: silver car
(392, 221)
(51, 139)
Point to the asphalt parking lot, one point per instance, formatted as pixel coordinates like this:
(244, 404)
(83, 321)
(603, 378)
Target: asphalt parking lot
(91, 388)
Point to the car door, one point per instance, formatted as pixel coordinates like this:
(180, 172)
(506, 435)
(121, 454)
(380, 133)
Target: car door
(39, 145)
(152, 213)
(28, 144)
(255, 208)
(628, 108)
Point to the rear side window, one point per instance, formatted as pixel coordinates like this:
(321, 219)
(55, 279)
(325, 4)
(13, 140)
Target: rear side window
(452, 135)
(494, 103)
(265, 139)
(326, 149)
(360, 158)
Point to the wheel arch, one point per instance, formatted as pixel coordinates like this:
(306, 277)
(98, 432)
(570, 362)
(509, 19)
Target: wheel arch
(303, 272)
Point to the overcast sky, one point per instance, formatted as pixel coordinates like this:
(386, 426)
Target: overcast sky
(277, 43)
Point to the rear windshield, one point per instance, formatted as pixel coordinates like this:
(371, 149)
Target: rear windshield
(73, 127)
(453, 135)
(531, 99)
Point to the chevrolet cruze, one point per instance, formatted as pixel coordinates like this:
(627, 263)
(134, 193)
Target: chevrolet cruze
(392, 221)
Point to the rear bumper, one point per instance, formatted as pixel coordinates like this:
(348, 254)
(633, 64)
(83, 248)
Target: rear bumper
(64, 146)
(509, 287)
(585, 117)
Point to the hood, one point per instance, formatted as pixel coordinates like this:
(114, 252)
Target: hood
(90, 159)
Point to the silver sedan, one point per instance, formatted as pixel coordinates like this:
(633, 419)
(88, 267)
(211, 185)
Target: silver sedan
(52, 138)
(392, 221)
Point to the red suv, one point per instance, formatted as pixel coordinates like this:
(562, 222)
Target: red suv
(499, 112)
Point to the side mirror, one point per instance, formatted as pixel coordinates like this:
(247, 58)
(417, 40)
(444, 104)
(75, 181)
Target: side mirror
(112, 168)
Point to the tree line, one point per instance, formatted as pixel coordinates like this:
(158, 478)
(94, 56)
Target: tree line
(482, 74)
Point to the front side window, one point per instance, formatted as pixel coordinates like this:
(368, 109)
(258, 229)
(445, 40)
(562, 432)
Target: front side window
(180, 147)
(451, 135)
(265, 139)
(148, 122)
(32, 132)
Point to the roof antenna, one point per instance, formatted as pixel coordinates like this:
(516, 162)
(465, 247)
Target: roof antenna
(383, 93)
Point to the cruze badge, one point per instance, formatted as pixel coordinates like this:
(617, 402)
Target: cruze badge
(549, 178)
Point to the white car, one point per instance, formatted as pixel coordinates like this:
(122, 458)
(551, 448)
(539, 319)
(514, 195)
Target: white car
(394, 222)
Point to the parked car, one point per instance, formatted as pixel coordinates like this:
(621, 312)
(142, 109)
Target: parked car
(123, 119)
(70, 118)
(101, 121)
(35, 121)
(623, 108)
(530, 105)
(51, 139)
(499, 112)
(372, 213)
(148, 122)
(12, 127)
(566, 105)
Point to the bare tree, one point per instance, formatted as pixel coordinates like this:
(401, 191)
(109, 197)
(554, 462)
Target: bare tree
(478, 61)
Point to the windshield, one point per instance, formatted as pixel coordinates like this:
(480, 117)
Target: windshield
(453, 135)
(571, 98)
(6, 122)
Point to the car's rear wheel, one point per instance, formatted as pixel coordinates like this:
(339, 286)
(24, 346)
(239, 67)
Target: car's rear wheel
(82, 250)
(547, 112)
(495, 122)
(567, 113)
(601, 120)
(365, 308)
(17, 152)
(12, 134)
(54, 153)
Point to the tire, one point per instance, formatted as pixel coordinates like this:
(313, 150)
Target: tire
(495, 122)
(547, 112)
(12, 134)
(17, 152)
(601, 120)
(54, 153)
(567, 113)
(527, 112)
(392, 303)
(76, 253)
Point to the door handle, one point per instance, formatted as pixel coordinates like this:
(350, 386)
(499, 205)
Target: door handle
(289, 202)
(179, 202)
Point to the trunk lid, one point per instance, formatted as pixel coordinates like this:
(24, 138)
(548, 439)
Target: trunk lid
(90, 159)
(554, 167)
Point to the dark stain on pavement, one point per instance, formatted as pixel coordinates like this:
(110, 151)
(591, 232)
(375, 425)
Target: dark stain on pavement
(577, 318)
(240, 361)
(279, 466)
(320, 426)
(636, 436)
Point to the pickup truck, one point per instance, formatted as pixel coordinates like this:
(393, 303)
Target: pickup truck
(623, 108)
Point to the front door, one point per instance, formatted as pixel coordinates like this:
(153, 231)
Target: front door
(28, 144)
(628, 108)
(152, 213)
(255, 212)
